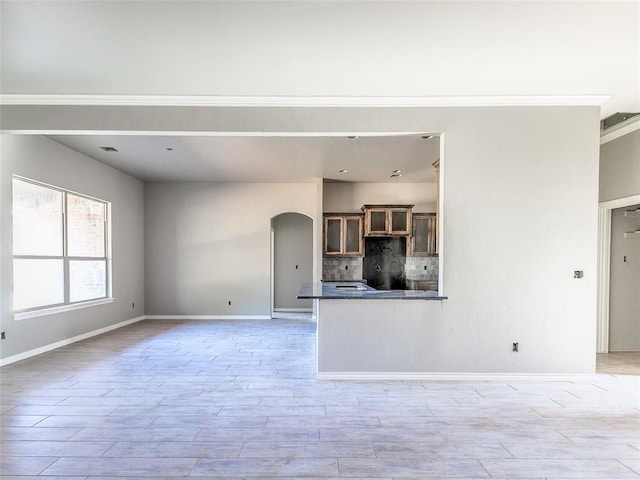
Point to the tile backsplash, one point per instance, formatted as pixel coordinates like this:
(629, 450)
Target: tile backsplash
(421, 268)
(350, 268)
(342, 268)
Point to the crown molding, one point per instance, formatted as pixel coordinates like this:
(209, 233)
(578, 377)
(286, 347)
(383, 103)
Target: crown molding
(303, 101)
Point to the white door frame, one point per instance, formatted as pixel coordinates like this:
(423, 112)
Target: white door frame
(604, 266)
(272, 273)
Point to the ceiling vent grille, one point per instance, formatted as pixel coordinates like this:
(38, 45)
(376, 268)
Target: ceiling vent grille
(615, 119)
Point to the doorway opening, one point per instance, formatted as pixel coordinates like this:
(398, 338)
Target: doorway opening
(606, 210)
(291, 262)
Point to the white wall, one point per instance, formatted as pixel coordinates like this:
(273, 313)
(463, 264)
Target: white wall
(293, 259)
(520, 192)
(209, 243)
(620, 167)
(41, 159)
(319, 48)
(349, 197)
(624, 301)
(520, 195)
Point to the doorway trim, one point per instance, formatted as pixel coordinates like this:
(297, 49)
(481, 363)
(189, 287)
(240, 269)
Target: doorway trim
(604, 266)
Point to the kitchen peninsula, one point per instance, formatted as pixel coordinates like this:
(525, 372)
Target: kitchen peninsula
(364, 333)
(379, 301)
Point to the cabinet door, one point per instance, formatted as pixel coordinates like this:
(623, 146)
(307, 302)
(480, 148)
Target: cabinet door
(333, 235)
(353, 236)
(424, 235)
(399, 221)
(377, 221)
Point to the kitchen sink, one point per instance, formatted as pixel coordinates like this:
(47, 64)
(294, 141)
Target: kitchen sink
(351, 287)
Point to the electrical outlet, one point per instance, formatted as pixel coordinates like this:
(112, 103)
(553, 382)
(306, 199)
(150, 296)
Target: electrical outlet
(133, 305)
(3, 335)
(229, 302)
(578, 274)
(516, 346)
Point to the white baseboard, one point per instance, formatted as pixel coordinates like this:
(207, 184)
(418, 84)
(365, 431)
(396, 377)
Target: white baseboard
(207, 317)
(66, 341)
(444, 376)
(622, 350)
(293, 310)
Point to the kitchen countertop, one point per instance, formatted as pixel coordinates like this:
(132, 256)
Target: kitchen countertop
(360, 291)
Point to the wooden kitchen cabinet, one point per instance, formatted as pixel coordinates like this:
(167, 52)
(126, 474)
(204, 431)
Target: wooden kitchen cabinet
(424, 235)
(386, 220)
(343, 235)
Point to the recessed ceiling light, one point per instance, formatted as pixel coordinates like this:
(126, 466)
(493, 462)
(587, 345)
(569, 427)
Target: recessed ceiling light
(344, 170)
(169, 149)
(109, 149)
(397, 171)
(396, 175)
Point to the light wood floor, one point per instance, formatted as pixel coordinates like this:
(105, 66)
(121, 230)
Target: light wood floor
(168, 400)
(622, 363)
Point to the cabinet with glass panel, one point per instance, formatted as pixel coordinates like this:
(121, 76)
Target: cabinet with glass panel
(424, 237)
(343, 235)
(386, 220)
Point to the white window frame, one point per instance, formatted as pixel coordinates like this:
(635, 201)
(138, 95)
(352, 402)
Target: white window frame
(67, 305)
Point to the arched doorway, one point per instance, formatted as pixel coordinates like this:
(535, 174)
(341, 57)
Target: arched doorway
(291, 260)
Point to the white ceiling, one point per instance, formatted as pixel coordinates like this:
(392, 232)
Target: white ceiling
(264, 158)
(312, 49)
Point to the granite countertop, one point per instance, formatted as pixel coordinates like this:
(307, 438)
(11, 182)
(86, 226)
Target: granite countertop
(360, 291)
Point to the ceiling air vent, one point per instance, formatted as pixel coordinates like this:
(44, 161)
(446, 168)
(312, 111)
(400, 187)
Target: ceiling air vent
(109, 149)
(615, 119)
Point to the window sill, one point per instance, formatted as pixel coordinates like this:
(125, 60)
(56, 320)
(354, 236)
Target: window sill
(62, 308)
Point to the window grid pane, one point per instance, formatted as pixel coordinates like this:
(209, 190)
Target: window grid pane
(85, 227)
(37, 283)
(37, 220)
(87, 280)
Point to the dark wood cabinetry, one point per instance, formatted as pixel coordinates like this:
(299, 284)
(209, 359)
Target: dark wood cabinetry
(344, 232)
(424, 235)
(343, 235)
(386, 220)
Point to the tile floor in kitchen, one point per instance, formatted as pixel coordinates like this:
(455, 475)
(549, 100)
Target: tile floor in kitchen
(173, 399)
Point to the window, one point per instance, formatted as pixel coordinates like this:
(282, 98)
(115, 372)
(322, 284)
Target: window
(60, 247)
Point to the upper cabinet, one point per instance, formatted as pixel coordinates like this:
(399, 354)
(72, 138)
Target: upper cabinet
(385, 220)
(424, 238)
(344, 232)
(343, 235)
